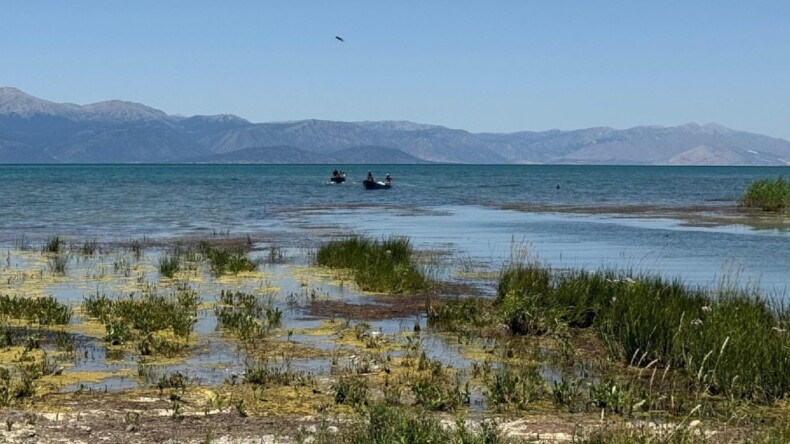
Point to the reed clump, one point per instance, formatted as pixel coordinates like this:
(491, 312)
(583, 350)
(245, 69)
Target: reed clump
(386, 265)
(733, 343)
(768, 194)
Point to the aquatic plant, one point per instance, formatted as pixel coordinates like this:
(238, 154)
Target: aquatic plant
(383, 424)
(248, 316)
(58, 263)
(768, 194)
(54, 244)
(226, 260)
(386, 265)
(149, 318)
(515, 385)
(732, 343)
(22, 243)
(351, 390)
(169, 264)
(89, 247)
(44, 311)
(461, 314)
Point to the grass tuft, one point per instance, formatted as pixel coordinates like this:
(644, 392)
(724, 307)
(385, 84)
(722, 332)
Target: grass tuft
(768, 194)
(732, 343)
(378, 265)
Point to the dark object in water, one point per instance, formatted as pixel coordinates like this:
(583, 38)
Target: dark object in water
(375, 185)
(338, 177)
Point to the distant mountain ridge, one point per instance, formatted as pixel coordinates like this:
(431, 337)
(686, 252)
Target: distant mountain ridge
(34, 130)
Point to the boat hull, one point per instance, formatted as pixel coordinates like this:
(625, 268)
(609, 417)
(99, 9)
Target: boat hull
(371, 185)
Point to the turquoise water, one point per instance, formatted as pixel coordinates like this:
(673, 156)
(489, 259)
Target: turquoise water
(454, 207)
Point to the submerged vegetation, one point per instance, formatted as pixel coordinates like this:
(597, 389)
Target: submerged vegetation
(386, 266)
(768, 194)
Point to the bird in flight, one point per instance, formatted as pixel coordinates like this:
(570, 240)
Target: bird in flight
(340, 38)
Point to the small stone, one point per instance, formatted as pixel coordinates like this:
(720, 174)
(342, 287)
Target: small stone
(332, 429)
(131, 428)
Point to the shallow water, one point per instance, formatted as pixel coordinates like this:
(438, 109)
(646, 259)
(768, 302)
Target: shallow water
(449, 207)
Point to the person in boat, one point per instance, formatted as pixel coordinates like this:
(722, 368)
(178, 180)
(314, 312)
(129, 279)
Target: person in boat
(335, 173)
(370, 177)
(388, 180)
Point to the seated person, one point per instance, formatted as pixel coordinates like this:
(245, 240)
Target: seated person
(388, 179)
(370, 177)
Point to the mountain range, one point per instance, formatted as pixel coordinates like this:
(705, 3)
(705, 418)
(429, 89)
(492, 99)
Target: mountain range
(34, 130)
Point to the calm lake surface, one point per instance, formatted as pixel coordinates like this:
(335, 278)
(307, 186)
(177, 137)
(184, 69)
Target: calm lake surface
(452, 207)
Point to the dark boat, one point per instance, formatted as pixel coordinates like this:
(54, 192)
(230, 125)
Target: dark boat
(338, 177)
(375, 185)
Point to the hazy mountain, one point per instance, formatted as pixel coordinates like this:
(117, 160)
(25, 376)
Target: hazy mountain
(374, 154)
(39, 131)
(267, 154)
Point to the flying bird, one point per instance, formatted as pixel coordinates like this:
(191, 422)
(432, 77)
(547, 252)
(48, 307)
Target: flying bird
(340, 38)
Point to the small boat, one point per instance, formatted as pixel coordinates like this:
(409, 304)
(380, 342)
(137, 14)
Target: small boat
(338, 177)
(376, 185)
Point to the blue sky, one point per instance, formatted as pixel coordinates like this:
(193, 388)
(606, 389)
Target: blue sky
(481, 66)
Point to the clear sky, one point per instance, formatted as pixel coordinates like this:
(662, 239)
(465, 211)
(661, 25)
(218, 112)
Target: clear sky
(477, 65)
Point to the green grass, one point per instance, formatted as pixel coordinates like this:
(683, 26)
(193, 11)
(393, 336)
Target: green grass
(169, 264)
(768, 194)
(386, 265)
(137, 318)
(733, 344)
(248, 316)
(44, 311)
(226, 260)
(54, 244)
(381, 424)
(260, 372)
(58, 263)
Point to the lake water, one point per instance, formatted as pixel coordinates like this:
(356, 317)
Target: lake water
(450, 207)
